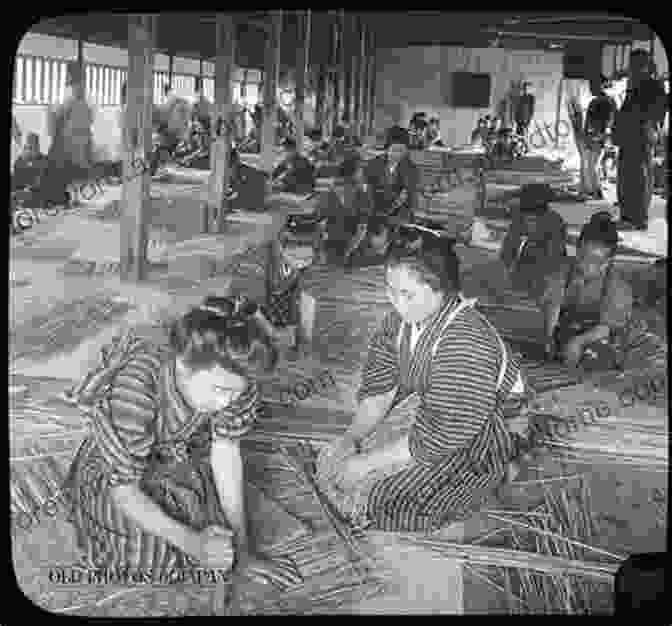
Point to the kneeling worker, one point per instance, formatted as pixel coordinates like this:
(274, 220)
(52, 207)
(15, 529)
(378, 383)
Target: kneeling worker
(296, 174)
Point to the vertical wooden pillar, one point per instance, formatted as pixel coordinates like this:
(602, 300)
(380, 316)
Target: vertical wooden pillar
(302, 53)
(363, 81)
(221, 123)
(81, 68)
(558, 111)
(171, 60)
(320, 95)
(356, 76)
(363, 123)
(137, 146)
(372, 85)
(346, 66)
(335, 73)
(271, 79)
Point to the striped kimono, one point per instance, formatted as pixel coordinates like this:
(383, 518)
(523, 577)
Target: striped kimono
(143, 432)
(462, 374)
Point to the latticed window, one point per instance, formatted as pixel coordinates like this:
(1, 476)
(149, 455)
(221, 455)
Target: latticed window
(42, 81)
(38, 80)
(103, 84)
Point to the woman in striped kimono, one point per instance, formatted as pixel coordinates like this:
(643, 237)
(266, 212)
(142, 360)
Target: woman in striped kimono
(458, 448)
(158, 484)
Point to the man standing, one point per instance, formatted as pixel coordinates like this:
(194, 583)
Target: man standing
(635, 130)
(524, 110)
(599, 120)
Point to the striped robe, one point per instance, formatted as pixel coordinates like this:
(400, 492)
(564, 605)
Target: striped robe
(143, 432)
(459, 444)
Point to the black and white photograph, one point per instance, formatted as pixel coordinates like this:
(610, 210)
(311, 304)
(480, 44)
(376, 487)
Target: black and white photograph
(324, 311)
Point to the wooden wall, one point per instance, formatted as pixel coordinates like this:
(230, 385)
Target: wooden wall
(418, 79)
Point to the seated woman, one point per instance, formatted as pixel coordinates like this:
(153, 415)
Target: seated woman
(534, 246)
(159, 481)
(30, 166)
(374, 246)
(394, 179)
(296, 174)
(588, 308)
(343, 208)
(457, 448)
(433, 134)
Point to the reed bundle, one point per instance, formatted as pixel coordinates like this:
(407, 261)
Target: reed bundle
(479, 556)
(543, 566)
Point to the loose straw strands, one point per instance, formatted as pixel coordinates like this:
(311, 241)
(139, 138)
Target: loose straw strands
(501, 557)
(356, 554)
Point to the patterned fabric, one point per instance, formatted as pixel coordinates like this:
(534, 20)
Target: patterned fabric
(457, 436)
(144, 432)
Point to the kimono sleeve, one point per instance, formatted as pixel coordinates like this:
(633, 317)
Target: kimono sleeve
(240, 417)
(512, 241)
(381, 370)
(556, 236)
(553, 288)
(125, 427)
(617, 305)
(412, 184)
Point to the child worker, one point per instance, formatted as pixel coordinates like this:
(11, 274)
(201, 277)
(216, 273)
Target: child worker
(344, 210)
(534, 246)
(588, 309)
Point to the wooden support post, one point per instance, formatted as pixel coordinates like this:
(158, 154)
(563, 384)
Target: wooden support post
(137, 146)
(221, 124)
(271, 79)
(320, 95)
(363, 81)
(171, 60)
(364, 86)
(335, 74)
(357, 75)
(346, 66)
(558, 111)
(302, 53)
(372, 85)
(80, 61)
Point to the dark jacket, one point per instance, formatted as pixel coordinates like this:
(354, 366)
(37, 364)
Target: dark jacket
(600, 114)
(642, 112)
(525, 109)
(385, 187)
(542, 253)
(300, 174)
(28, 171)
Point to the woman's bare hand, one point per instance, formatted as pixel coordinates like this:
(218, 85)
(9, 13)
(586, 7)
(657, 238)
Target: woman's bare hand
(215, 549)
(330, 460)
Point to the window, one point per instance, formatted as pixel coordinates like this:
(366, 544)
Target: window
(38, 80)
